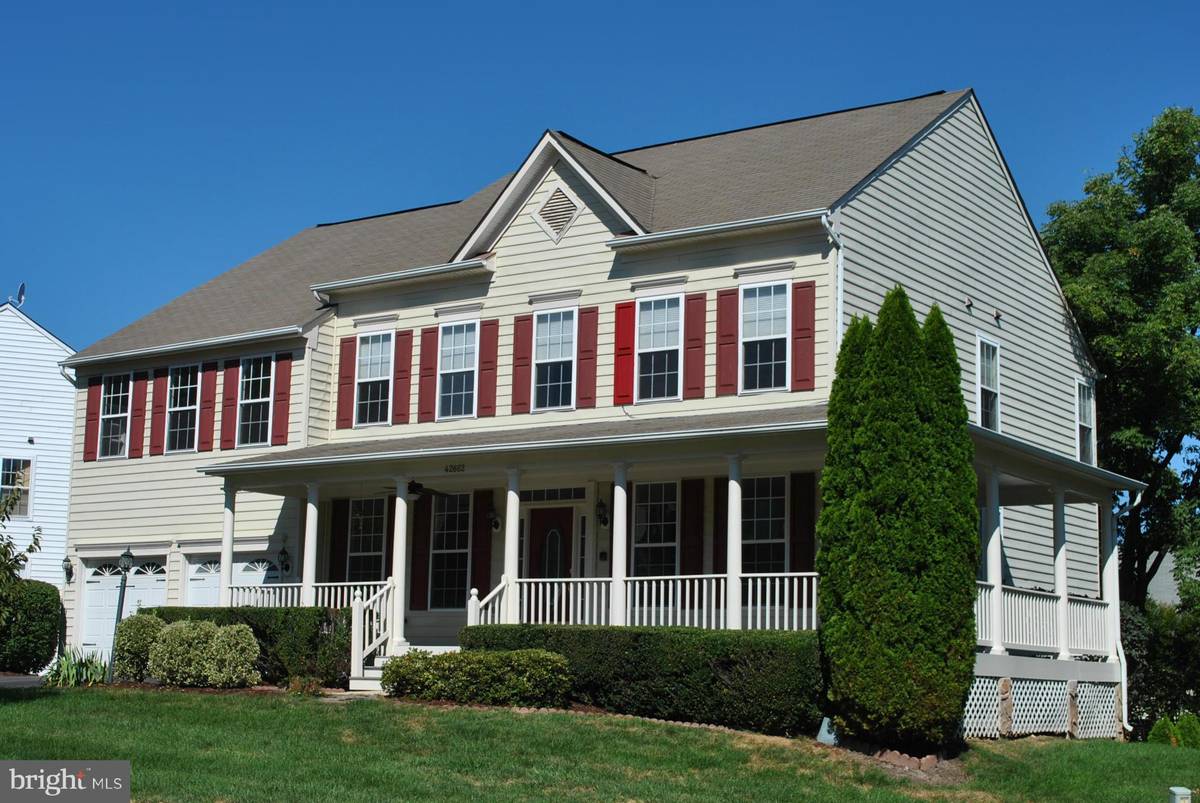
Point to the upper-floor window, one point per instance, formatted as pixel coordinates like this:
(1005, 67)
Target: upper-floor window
(114, 415)
(988, 380)
(655, 529)
(458, 362)
(374, 381)
(183, 406)
(1085, 420)
(16, 476)
(364, 549)
(254, 401)
(659, 348)
(764, 337)
(764, 525)
(554, 360)
(449, 552)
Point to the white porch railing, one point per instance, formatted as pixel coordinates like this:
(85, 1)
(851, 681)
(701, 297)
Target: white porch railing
(489, 610)
(983, 612)
(1086, 620)
(1030, 619)
(564, 601)
(340, 595)
(278, 595)
(686, 601)
(369, 625)
(786, 601)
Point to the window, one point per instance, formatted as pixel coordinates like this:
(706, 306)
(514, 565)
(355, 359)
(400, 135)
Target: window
(655, 529)
(765, 337)
(658, 348)
(254, 401)
(764, 525)
(16, 475)
(114, 416)
(374, 382)
(1085, 420)
(988, 380)
(458, 359)
(183, 400)
(450, 551)
(554, 360)
(368, 529)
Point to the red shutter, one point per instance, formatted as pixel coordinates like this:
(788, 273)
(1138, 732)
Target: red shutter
(522, 362)
(402, 377)
(137, 415)
(481, 542)
(208, 407)
(91, 421)
(720, 523)
(427, 379)
(694, 322)
(804, 329)
(727, 342)
(282, 402)
(489, 344)
(803, 525)
(585, 389)
(418, 599)
(339, 539)
(623, 358)
(347, 354)
(158, 412)
(691, 520)
(229, 398)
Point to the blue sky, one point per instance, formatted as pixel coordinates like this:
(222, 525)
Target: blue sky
(145, 148)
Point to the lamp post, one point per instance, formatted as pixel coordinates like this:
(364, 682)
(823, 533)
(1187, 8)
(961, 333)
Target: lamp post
(124, 563)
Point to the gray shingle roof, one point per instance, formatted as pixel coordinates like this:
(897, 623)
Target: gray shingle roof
(778, 168)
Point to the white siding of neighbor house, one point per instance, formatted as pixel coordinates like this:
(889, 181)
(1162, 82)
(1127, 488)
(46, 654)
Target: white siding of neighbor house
(35, 424)
(943, 221)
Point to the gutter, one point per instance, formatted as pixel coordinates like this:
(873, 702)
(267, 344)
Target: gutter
(186, 345)
(840, 283)
(1111, 478)
(321, 289)
(714, 228)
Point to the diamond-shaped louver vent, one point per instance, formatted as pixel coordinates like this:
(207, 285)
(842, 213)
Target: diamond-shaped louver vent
(558, 212)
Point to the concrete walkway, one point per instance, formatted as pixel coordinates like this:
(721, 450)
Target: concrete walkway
(20, 681)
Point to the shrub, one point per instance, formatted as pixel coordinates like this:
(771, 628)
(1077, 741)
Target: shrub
(180, 654)
(76, 668)
(293, 642)
(231, 658)
(32, 618)
(1162, 647)
(1188, 728)
(1164, 732)
(305, 686)
(131, 651)
(528, 677)
(767, 681)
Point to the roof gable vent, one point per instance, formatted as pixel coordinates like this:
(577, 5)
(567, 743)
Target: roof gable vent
(557, 214)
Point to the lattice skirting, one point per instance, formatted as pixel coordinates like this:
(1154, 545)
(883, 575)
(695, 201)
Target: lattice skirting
(1097, 704)
(1022, 706)
(981, 718)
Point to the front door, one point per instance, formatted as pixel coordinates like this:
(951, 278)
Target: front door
(550, 541)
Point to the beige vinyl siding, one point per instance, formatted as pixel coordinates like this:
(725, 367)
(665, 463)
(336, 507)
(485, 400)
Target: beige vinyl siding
(323, 384)
(943, 221)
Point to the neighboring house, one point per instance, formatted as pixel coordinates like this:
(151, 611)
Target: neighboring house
(595, 391)
(37, 401)
(1164, 588)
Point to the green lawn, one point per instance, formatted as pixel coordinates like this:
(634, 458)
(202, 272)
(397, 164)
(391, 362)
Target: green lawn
(188, 746)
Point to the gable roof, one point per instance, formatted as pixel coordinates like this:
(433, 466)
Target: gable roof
(9, 307)
(778, 168)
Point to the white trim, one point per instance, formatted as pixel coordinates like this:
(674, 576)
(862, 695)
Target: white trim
(128, 418)
(765, 273)
(264, 334)
(270, 400)
(382, 553)
(1084, 382)
(169, 409)
(11, 307)
(559, 186)
(715, 228)
(549, 301)
(657, 286)
(470, 543)
(389, 376)
(980, 339)
(637, 349)
(574, 360)
(634, 546)
(787, 338)
(458, 312)
(475, 384)
(376, 322)
(28, 489)
(426, 271)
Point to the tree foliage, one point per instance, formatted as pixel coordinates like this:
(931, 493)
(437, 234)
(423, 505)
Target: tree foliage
(1128, 258)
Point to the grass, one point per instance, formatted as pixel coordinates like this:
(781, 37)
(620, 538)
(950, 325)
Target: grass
(187, 746)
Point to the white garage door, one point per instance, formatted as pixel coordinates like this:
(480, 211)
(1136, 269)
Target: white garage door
(204, 578)
(146, 588)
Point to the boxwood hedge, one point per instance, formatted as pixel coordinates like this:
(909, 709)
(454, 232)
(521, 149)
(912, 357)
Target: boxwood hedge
(31, 626)
(490, 677)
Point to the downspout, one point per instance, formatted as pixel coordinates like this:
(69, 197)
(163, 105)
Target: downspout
(839, 285)
(1133, 502)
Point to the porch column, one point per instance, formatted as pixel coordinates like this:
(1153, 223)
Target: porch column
(733, 545)
(620, 543)
(399, 562)
(1110, 578)
(308, 570)
(512, 546)
(226, 596)
(995, 557)
(1060, 573)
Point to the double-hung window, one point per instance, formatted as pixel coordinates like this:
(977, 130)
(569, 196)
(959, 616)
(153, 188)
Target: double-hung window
(1085, 420)
(449, 552)
(183, 405)
(659, 347)
(764, 525)
(764, 337)
(373, 385)
(114, 415)
(254, 401)
(554, 360)
(988, 380)
(458, 362)
(368, 529)
(655, 529)
(16, 476)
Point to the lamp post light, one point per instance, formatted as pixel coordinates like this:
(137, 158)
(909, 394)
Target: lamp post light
(124, 563)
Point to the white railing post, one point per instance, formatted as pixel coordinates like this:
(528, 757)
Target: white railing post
(995, 557)
(308, 569)
(1110, 579)
(227, 545)
(399, 566)
(1060, 575)
(356, 635)
(473, 608)
(620, 543)
(733, 538)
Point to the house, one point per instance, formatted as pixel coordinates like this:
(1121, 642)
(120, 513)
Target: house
(37, 400)
(594, 391)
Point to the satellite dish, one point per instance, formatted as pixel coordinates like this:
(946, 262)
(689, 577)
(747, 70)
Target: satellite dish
(21, 294)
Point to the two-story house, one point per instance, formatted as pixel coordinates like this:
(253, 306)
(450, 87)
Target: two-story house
(595, 392)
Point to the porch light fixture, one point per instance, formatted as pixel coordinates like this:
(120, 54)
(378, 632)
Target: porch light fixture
(493, 519)
(68, 569)
(285, 560)
(601, 513)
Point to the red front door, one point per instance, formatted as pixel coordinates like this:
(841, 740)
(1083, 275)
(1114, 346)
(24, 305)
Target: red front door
(550, 542)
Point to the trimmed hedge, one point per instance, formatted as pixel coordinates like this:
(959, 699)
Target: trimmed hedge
(505, 677)
(131, 651)
(198, 653)
(31, 627)
(768, 681)
(293, 642)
